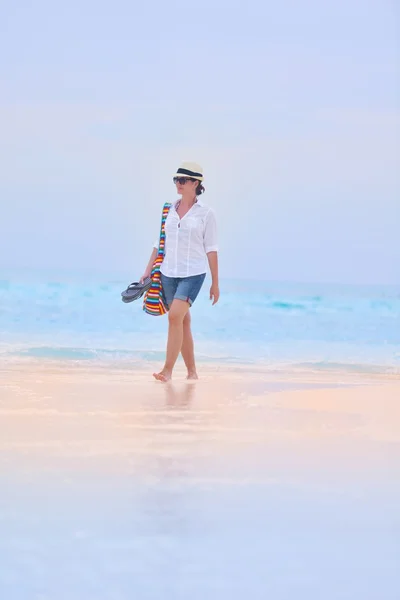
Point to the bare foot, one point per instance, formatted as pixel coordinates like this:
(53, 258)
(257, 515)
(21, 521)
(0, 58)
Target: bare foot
(192, 375)
(163, 376)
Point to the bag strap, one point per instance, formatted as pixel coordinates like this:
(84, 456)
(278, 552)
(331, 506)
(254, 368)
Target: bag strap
(164, 215)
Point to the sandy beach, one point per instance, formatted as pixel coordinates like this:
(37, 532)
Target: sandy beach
(245, 483)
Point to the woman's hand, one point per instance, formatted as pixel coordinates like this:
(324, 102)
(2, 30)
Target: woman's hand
(214, 293)
(145, 275)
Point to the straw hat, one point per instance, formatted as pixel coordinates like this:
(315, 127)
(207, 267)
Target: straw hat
(190, 169)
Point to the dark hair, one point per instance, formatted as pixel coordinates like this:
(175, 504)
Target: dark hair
(200, 189)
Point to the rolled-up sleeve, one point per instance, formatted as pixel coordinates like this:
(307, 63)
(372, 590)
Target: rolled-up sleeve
(210, 233)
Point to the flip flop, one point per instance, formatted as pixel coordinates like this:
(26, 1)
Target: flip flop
(135, 290)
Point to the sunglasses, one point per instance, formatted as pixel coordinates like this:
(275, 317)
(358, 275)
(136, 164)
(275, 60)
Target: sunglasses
(182, 180)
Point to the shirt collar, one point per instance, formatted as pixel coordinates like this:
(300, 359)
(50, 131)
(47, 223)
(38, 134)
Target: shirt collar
(198, 202)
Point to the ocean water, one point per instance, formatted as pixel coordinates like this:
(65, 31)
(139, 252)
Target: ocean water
(80, 317)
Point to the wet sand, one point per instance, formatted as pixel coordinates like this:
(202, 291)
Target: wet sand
(247, 483)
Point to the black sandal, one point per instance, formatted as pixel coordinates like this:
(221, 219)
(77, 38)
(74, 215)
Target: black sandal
(135, 290)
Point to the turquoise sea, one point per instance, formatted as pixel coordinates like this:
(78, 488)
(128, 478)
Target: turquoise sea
(80, 317)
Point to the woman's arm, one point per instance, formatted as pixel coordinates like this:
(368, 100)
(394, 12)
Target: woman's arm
(213, 263)
(150, 264)
(149, 267)
(211, 248)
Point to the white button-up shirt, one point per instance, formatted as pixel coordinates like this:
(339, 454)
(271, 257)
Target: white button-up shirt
(188, 240)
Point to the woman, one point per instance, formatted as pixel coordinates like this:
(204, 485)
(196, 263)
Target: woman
(190, 242)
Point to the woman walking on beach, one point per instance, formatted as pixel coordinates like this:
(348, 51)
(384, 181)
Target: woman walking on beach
(190, 243)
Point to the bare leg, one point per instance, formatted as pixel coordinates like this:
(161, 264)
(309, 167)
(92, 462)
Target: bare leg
(176, 314)
(188, 348)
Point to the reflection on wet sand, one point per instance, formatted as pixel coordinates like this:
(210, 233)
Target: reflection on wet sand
(179, 397)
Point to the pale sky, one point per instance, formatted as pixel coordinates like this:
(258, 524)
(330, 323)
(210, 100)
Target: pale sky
(292, 108)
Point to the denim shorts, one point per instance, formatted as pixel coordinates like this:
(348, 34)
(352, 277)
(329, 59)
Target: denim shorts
(182, 288)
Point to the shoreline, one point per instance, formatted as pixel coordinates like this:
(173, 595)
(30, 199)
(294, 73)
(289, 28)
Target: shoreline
(40, 386)
(206, 370)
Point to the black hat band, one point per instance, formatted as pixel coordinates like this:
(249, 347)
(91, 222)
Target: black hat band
(189, 173)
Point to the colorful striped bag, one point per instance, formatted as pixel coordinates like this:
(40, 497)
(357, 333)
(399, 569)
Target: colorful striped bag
(154, 301)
